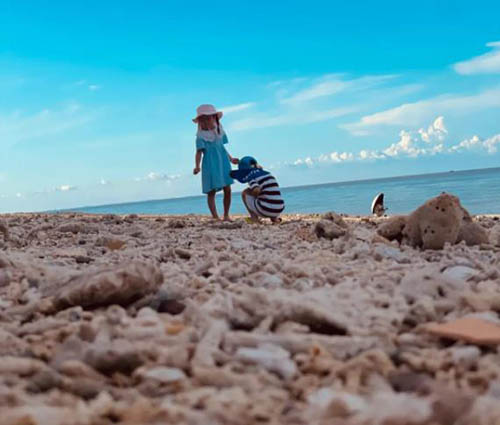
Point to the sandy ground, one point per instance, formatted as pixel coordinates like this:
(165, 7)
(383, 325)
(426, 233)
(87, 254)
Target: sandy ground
(179, 320)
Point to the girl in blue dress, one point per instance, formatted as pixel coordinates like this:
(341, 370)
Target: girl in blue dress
(215, 167)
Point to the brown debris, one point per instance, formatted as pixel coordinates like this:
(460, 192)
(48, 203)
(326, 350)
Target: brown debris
(468, 329)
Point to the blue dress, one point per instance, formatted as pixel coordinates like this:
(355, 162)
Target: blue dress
(215, 167)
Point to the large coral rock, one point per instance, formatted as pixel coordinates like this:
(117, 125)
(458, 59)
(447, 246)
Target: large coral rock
(470, 232)
(434, 223)
(440, 220)
(116, 285)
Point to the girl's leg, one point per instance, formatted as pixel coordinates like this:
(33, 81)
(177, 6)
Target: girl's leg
(211, 204)
(227, 202)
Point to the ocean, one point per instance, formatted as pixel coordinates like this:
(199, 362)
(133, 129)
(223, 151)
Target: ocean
(478, 190)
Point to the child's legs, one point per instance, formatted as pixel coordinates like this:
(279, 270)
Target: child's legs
(227, 201)
(211, 204)
(248, 203)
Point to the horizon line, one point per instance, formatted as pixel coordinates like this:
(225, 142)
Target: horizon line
(285, 188)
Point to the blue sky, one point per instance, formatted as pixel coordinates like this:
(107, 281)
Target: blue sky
(96, 98)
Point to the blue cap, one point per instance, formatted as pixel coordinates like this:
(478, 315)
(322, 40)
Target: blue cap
(246, 163)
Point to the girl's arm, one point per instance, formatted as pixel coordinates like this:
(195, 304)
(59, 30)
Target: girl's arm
(197, 160)
(233, 160)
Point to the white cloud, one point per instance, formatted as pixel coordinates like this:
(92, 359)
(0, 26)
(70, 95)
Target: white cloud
(476, 143)
(336, 157)
(411, 144)
(65, 188)
(289, 117)
(436, 130)
(367, 154)
(237, 108)
(489, 63)
(329, 85)
(18, 126)
(307, 161)
(153, 176)
(91, 87)
(103, 182)
(325, 88)
(291, 81)
(414, 114)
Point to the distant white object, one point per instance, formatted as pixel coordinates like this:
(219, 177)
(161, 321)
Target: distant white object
(378, 205)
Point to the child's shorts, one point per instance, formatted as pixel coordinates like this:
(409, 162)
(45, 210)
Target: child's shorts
(254, 206)
(250, 203)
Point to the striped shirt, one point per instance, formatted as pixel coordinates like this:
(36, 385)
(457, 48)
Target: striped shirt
(269, 202)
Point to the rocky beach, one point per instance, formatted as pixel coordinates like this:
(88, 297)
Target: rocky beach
(323, 319)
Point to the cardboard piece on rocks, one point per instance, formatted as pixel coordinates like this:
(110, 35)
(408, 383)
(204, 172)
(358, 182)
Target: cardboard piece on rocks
(468, 329)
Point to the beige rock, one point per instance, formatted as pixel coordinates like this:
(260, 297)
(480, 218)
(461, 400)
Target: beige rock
(114, 244)
(435, 223)
(392, 228)
(162, 375)
(20, 365)
(118, 355)
(271, 357)
(334, 217)
(329, 230)
(11, 345)
(112, 285)
(4, 229)
(471, 232)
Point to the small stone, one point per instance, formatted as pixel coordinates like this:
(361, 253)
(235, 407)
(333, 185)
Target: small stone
(267, 280)
(460, 272)
(392, 228)
(271, 357)
(83, 259)
(111, 285)
(4, 261)
(176, 224)
(118, 355)
(389, 252)
(183, 253)
(335, 218)
(163, 375)
(329, 230)
(71, 252)
(4, 229)
(466, 355)
(114, 244)
(172, 307)
(71, 228)
(4, 278)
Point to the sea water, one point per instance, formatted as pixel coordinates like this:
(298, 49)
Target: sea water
(478, 190)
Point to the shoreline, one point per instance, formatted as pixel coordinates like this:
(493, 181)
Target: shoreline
(291, 188)
(167, 319)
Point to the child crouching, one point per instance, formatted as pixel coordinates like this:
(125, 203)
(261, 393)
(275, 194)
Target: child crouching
(262, 198)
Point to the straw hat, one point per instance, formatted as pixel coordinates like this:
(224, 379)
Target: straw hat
(206, 110)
